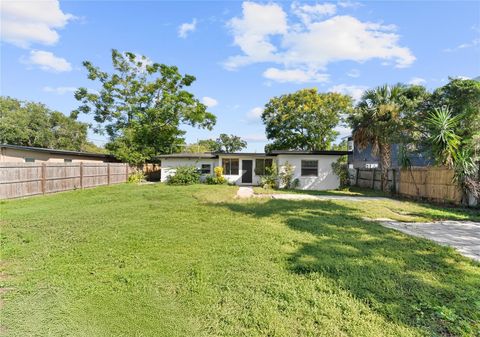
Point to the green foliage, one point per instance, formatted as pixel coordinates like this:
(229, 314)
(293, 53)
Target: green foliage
(217, 178)
(136, 177)
(286, 176)
(443, 139)
(229, 143)
(304, 120)
(34, 124)
(271, 178)
(184, 175)
(141, 106)
(466, 172)
(340, 168)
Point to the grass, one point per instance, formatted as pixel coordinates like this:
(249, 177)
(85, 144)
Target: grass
(350, 191)
(156, 260)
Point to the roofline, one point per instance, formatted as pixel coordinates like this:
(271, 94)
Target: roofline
(214, 155)
(56, 151)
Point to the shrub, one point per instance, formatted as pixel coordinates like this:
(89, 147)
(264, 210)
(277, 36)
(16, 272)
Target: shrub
(286, 176)
(217, 178)
(184, 175)
(340, 168)
(136, 177)
(270, 179)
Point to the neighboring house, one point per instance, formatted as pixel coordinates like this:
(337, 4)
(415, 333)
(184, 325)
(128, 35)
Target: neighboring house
(28, 154)
(313, 169)
(363, 158)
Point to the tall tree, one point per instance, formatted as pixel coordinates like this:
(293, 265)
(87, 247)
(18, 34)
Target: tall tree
(382, 117)
(304, 120)
(141, 106)
(229, 143)
(33, 124)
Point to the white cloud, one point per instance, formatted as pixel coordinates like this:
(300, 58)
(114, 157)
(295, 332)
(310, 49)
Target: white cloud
(294, 75)
(264, 35)
(48, 61)
(343, 131)
(309, 13)
(27, 22)
(59, 90)
(186, 28)
(473, 43)
(354, 73)
(209, 102)
(355, 91)
(255, 113)
(255, 138)
(417, 81)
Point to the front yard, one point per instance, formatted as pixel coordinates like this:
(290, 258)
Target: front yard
(158, 260)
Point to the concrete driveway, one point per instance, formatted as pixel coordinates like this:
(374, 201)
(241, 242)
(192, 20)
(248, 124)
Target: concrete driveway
(462, 235)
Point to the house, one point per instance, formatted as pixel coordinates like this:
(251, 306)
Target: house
(313, 169)
(363, 158)
(28, 154)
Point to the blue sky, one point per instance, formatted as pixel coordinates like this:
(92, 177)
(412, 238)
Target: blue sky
(242, 53)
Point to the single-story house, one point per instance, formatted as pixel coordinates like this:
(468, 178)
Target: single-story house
(313, 169)
(28, 154)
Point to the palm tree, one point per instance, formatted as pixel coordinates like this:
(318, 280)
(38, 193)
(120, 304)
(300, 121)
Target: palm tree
(376, 121)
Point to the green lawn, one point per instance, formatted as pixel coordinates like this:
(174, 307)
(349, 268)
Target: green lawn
(156, 260)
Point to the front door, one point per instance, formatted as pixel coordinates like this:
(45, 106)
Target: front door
(247, 170)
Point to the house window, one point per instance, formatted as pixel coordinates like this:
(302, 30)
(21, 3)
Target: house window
(206, 169)
(29, 160)
(261, 165)
(67, 160)
(230, 166)
(309, 168)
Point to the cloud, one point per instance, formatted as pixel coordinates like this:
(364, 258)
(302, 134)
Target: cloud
(48, 61)
(27, 22)
(417, 81)
(59, 90)
(185, 28)
(354, 73)
(255, 138)
(255, 113)
(294, 75)
(209, 102)
(355, 91)
(265, 34)
(473, 43)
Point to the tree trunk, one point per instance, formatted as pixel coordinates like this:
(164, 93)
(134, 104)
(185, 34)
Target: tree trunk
(385, 161)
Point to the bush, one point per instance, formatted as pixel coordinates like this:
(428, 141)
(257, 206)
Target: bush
(270, 179)
(340, 168)
(136, 177)
(184, 175)
(217, 178)
(286, 176)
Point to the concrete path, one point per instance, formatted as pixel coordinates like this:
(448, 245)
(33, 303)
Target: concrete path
(294, 196)
(462, 235)
(245, 192)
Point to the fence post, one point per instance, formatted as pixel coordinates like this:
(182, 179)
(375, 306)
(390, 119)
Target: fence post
(126, 172)
(373, 179)
(108, 173)
(81, 175)
(44, 178)
(356, 176)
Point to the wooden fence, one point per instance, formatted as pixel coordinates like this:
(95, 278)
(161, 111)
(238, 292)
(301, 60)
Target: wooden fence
(28, 179)
(430, 183)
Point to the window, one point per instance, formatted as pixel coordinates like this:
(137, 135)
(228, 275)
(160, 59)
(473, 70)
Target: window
(206, 169)
(261, 165)
(29, 160)
(230, 166)
(67, 160)
(309, 168)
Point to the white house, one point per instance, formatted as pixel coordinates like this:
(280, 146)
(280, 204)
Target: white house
(313, 169)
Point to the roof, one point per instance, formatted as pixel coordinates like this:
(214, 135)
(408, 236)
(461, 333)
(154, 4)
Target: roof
(213, 155)
(55, 151)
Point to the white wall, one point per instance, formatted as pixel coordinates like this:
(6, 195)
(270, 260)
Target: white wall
(169, 165)
(326, 179)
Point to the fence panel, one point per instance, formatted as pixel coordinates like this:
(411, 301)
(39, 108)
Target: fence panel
(28, 179)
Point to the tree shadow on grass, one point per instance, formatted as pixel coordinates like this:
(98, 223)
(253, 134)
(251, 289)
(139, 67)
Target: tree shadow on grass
(406, 279)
